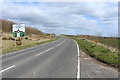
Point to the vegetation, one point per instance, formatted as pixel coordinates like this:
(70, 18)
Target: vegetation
(30, 31)
(98, 52)
(109, 41)
(33, 37)
(7, 28)
(9, 45)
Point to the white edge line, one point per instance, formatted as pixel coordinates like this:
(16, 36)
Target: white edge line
(7, 68)
(78, 72)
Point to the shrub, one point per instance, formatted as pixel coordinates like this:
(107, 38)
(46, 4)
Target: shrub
(19, 43)
(11, 38)
(19, 39)
(26, 38)
(4, 38)
(96, 41)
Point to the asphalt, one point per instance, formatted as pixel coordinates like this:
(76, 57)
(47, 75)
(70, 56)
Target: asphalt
(58, 59)
(54, 60)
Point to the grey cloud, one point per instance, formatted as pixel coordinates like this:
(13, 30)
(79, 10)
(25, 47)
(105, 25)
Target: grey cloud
(67, 18)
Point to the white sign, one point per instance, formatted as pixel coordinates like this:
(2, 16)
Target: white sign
(19, 27)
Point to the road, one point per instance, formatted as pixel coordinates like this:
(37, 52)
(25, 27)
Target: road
(54, 60)
(58, 59)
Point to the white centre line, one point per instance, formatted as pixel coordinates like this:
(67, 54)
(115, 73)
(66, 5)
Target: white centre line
(28, 48)
(7, 68)
(50, 48)
(60, 43)
(78, 72)
(45, 51)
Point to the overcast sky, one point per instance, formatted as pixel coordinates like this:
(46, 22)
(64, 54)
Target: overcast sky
(65, 17)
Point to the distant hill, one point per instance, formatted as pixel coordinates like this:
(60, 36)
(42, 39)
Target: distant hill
(7, 28)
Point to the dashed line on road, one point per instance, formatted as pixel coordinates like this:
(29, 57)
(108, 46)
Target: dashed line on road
(45, 51)
(78, 72)
(58, 44)
(50, 48)
(7, 68)
(28, 48)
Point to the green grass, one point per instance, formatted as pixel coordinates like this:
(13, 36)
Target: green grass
(110, 42)
(107, 41)
(16, 48)
(98, 52)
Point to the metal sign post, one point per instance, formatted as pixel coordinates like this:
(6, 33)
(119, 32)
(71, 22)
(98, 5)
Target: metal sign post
(19, 32)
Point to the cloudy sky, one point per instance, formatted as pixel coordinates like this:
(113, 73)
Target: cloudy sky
(71, 18)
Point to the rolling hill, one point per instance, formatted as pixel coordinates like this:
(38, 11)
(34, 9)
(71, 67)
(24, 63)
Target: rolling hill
(7, 28)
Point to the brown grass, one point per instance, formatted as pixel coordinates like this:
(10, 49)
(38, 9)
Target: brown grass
(108, 41)
(10, 44)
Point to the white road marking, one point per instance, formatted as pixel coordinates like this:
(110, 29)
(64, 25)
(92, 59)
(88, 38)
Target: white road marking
(45, 51)
(50, 48)
(7, 68)
(60, 43)
(28, 48)
(78, 73)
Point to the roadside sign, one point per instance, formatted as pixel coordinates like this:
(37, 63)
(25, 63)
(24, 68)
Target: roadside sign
(18, 30)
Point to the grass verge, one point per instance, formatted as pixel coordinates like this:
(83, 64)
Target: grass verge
(17, 48)
(98, 52)
(108, 41)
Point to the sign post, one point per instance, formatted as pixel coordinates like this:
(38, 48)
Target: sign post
(19, 32)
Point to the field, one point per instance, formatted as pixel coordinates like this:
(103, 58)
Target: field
(98, 52)
(33, 37)
(9, 45)
(108, 41)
